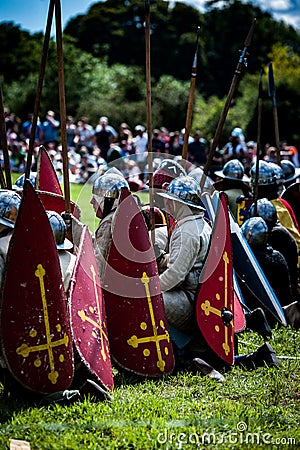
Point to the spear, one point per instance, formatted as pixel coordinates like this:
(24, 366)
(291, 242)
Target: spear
(149, 118)
(2, 181)
(62, 105)
(39, 88)
(259, 110)
(272, 94)
(190, 103)
(4, 148)
(237, 74)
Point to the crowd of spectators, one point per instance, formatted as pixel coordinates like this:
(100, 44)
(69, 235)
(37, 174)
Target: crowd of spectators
(92, 148)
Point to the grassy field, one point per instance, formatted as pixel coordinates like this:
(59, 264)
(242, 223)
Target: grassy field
(251, 410)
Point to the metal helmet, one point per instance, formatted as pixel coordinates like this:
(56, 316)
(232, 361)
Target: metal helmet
(113, 170)
(19, 183)
(107, 190)
(166, 172)
(255, 231)
(266, 210)
(289, 171)
(184, 190)
(109, 185)
(197, 174)
(232, 170)
(59, 230)
(9, 207)
(114, 153)
(278, 172)
(266, 173)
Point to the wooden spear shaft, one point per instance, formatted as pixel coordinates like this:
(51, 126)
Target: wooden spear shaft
(2, 181)
(272, 94)
(62, 105)
(4, 146)
(189, 113)
(39, 88)
(238, 71)
(258, 144)
(149, 118)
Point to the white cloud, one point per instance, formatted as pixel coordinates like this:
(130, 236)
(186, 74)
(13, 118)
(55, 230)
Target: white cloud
(276, 5)
(285, 10)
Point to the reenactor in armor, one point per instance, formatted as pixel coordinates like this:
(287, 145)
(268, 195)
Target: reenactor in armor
(233, 183)
(280, 239)
(268, 188)
(271, 261)
(188, 247)
(106, 194)
(66, 258)
(167, 170)
(9, 207)
(289, 172)
(82, 383)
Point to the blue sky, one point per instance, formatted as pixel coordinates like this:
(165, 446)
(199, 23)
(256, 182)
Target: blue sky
(31, 15)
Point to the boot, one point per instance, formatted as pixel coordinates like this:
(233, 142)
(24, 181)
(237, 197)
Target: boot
(199, 365)
(95, 390)
(63, 397)
(256, 321)
(292, 314)
(263, 356)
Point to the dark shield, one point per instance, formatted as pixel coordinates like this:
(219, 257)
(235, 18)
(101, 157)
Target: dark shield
(137, 325)
(214, 307)
(246, 266)
(46, 178)
(35, 325)
(88, 317)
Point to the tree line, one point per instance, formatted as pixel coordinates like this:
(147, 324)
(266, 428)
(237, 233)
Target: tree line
(104, 59)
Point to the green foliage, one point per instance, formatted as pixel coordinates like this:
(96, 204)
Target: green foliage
(115, 30)
(20, 52)
(206, 116)
(170, 99)
(104, 62)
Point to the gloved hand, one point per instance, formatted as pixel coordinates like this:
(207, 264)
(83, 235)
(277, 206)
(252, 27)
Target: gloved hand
(162, 258)
(159, 253)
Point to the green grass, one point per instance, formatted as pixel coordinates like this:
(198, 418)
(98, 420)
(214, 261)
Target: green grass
(153, 414)
(81, 194)
(251, 410)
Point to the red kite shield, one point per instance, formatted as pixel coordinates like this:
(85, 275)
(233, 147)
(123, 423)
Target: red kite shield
(46, 179)
(35, 325)
(214, 307)
(239, 319)
(137, 325)
(88, 318)
(55, 202)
